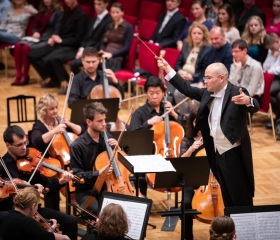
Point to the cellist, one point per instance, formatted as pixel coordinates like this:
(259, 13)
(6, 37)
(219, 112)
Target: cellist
(150, 113)
(16, 143)
(84, 151)
(90, 77)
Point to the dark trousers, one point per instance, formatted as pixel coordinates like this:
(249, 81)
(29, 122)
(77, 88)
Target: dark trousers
(51, 200)
(67, 224)
(233, 179)
(275, 97)
(82, 197)
(188, 196)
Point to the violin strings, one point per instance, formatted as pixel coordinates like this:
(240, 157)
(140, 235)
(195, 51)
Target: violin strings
(8, 173)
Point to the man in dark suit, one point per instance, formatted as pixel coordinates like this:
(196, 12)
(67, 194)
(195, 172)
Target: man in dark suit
(94, 35)
(170, 25)
(222, 119)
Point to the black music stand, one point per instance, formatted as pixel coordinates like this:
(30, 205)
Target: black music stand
(112, 105)
(190, 171)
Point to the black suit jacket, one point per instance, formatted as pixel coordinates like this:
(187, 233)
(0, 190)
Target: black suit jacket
(93, 37)
(184, 55)
(233, 123)
(170, 33)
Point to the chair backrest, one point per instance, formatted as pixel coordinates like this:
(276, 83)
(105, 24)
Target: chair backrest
(147, 60)
(150, 10)
(130, 64)
(171, 55)
(147, 29)
(131, 19)
(130, 7)
(22, 108)
(265, 98)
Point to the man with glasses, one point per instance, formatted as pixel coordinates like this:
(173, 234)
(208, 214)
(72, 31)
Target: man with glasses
(222, 119)
(16, 143)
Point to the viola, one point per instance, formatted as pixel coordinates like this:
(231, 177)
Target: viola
(46, 223)
(208, 199)
(118, 181)
(49, 168)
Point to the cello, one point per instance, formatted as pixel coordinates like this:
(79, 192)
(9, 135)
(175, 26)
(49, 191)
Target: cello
(208, 199)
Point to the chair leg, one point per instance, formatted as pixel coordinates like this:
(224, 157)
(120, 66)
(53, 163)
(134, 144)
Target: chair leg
(272, 122)
(6, 62)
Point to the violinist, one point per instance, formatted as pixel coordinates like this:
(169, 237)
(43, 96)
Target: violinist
(150, 113)
(85, 149)
(90, 77)
(42, 132)
(20, 224)
(16, 142)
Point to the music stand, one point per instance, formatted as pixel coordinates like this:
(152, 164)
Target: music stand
(137, 210)
(190, 171)
(112, 105)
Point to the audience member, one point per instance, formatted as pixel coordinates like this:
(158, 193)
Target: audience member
(49, 60)
(47, 22)
(226, 21)
(90, 77)
(199, 10)
(117, 40)
(16, 143)
(222, 228)
(254, 34)
(15, 21)
(194, 50)
(170, 25)
(20, 223)
(84, 152)
(273, 23)
(245, 11)
(43, 131)
(94, 34)
(245, 71)
(212, 12)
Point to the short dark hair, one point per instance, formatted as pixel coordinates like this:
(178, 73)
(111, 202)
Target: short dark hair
(118, 5)
(11, 131)
(91, 109)
(90, 51)
(240, 43)
(154, 82)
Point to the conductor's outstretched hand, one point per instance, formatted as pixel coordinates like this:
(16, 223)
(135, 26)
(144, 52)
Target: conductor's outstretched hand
(242, 98)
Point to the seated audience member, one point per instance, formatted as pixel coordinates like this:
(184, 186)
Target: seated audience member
(16, 143)
(47, 22)
(15, 21)
(254, 34)
(246, 10)
(194, 50)
(271, 65)
(246, 71)
(112, 224)
(49, 60)
(117, 40)
(227, 22)
(273, 23)
(212, 11)
(170, 25)
(222, 227)
(199, 9)
(94, 34)
(20, 223)
(90, 77)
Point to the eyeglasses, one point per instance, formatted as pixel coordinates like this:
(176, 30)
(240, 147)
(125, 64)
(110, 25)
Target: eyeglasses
(207, 78)
(21, 144)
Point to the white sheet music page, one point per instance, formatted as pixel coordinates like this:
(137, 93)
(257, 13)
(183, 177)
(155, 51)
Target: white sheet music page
(135, 212)
(257, 226)
(150, 163)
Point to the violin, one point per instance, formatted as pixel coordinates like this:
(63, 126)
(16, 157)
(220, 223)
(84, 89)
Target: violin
(208, 199)
(167, 139)
(49, 168)
(46, 223)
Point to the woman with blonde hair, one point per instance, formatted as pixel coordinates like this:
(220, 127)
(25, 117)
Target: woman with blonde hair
(20, 224)
(222, 228)
(254, 34)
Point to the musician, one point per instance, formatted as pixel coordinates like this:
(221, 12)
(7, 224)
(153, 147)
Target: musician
(43, 131)
(222, 227)
(222, 119)
(150, 113)
(20, 224)
(16, 142)
(84, 151)
(90, 77)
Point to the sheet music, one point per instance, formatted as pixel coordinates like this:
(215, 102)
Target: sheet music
(150, 164)
(257, 226)
(136, 213)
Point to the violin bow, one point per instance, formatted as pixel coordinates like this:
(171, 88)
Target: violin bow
(177, 105)
(63, 114)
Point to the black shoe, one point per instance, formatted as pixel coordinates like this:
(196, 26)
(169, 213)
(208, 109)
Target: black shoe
(268, 125)
(50, 84)
(23, 81)
(2, 66)
(277, 127)
(16, 81)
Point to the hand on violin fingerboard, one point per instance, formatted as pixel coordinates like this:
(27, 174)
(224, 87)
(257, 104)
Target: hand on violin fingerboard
(154, 120)
(66, 177)
(40, 187)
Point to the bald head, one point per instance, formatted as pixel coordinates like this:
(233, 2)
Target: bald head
(217, 37)
(216, 77)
